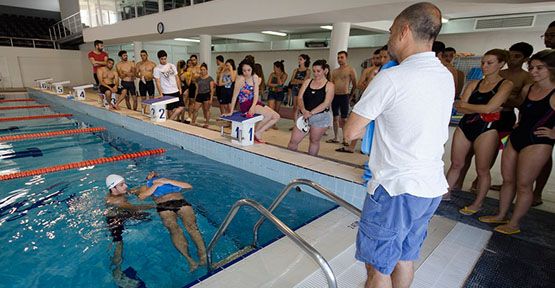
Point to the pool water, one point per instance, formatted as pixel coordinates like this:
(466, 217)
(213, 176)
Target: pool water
(53, 228)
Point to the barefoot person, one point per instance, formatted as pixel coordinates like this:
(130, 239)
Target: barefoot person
(110, 92)
(145, 70)
(276, 87)
(478, 129)
(170, 204)
(530, 144)
(168, 84)
(226, 82)
(118, 211)
(246, 93)
(126, 71)
(343, 78)
(98, 58)
(204, 94)
(411, 106)
(314, 102)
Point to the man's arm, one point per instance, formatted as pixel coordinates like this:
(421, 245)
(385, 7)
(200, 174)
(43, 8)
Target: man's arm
(353, 77)
(128, 206)
(355, 127)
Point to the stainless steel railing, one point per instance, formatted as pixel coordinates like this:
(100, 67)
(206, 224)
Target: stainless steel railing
(68, 27)
(307, 248)
(321, 189)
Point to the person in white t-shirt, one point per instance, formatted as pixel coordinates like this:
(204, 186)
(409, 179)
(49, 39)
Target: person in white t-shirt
(411, 106)
(168, 84)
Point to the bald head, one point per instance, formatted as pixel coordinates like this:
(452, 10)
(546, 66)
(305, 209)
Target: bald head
(424, 20)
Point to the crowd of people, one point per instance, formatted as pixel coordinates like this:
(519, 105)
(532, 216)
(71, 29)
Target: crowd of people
(411, 106)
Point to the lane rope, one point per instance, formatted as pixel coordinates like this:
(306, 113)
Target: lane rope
(7, 119)
(17, 100)
(86, 163)
(24, 107)
(50, 134)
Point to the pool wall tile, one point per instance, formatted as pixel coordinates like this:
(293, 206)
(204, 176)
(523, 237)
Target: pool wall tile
(264, 166)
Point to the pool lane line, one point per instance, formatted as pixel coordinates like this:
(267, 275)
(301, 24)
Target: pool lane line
(49, 134)
(23, 107)
(17, 100)
(21, 118)
(81, 164)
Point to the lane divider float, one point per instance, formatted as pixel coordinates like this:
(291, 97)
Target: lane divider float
(86, 163)
(7, 119)
(23, 107)
(50, 134)
(17, 100)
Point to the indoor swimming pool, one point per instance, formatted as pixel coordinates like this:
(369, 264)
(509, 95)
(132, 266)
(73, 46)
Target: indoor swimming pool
(53, 226)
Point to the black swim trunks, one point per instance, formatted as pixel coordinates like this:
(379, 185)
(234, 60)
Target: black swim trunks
(340, 105)
(103, 89)
(172, 205)
(116, 224)
(130, 86)
(146, 88)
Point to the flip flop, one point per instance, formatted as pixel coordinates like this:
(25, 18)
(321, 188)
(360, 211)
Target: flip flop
(468, 212)
(505, 229)
(492, 220)
(332, 141)
(343, 150)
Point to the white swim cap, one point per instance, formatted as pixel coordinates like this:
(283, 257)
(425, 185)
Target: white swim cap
(112, 180)
(302, 124)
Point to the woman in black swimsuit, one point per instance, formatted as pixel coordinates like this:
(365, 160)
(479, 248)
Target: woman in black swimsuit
(530, 144)
(481, 103)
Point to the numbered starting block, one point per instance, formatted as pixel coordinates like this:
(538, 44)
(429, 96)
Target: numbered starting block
(44, 83)
(242, 128)
(79, 91)
(158, 107)
(58, 87)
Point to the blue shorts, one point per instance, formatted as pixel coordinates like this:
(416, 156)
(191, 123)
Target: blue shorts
(393, 228)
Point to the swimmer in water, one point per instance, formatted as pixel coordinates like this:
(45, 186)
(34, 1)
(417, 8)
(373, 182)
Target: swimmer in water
(170, 204)
(118, 211)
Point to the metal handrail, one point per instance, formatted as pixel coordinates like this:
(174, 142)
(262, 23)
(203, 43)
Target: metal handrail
(340, 201)
(34, 40)
(70, 26)
(307, 248)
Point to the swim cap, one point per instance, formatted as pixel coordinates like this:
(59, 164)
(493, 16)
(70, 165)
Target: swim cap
(112, 180)
(302, 124)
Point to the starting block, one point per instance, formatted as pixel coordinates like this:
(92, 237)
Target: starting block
(242, 128)
(44, 83)
(58, 87)
(79, 91)
(158, 107)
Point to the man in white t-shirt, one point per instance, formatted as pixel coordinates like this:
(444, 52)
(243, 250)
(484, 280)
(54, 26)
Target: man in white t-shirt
(168, 84)
(411, 106)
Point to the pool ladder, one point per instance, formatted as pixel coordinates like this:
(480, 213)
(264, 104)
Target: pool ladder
(267, 214)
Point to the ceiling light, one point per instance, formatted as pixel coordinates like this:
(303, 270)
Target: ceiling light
(327, 27)
(187, 40)
(275, 33)
(444, 20)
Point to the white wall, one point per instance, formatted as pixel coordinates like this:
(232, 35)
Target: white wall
(24, 65)
(480, 42)
(68, 7)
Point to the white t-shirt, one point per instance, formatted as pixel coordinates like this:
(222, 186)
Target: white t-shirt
(411, 105)
(166, 74)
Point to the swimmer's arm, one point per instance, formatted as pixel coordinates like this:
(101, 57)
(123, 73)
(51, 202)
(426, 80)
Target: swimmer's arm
(330, 88)
(256, 91)
(147, 192)
(464, 97)
(355, 127)
(130, 207)
(236, 89)
(295, 81)
(233, 76)
(212, 89)
(362, 81)
(178, 81)
(283, 79)
(494, 103)
(270, 84)
(180, 184)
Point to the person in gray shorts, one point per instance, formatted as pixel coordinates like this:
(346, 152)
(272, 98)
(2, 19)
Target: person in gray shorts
(314, 100)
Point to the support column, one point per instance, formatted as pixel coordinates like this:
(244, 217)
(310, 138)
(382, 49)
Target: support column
(339, 41)
(160, 6)
(137, 47)
(205, 51)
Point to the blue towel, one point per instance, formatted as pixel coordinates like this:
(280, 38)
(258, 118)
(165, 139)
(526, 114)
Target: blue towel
(366, 145)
